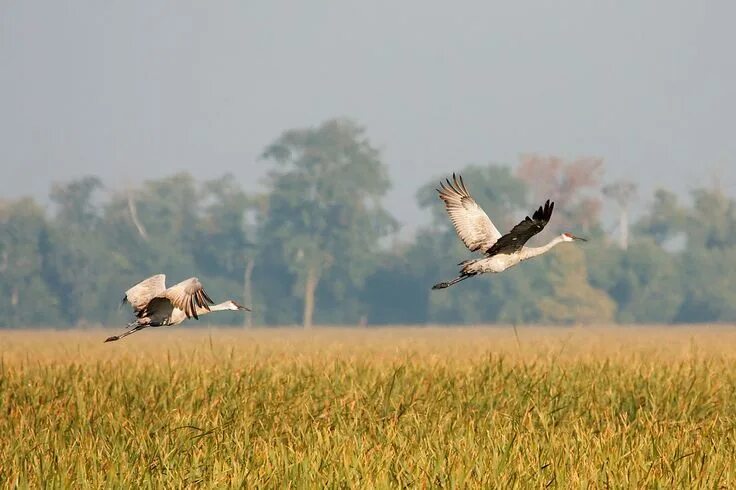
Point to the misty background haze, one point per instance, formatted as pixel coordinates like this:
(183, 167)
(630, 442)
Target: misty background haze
(122, 120)
(137, 90)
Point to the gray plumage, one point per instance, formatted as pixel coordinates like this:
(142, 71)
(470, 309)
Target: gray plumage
(155, 305)
(472, 224)
(479, 234)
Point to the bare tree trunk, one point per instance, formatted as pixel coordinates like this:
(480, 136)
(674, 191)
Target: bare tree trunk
(310, 286)
(247, 291)
(622, 192)
(134, 216)
(624, 227)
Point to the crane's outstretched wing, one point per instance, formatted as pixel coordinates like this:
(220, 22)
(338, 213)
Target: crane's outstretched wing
(139, 295)
(472, 224)
(187, 296)
(521, 233)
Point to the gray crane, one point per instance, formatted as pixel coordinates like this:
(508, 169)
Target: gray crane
(156, 306)
(479, 234)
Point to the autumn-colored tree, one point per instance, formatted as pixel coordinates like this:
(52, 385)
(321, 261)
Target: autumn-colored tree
(573, 185)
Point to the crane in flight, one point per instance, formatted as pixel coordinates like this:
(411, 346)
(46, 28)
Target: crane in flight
(156, 306)
(479, 234)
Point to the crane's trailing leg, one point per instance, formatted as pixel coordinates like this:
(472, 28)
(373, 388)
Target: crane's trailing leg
(443, 285)
(135, 328)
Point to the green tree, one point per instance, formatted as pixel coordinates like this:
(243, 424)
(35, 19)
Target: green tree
(665, 219)
(154, 228)
(709, 285)
(324, 216)
(711, 223)
(573, 300)
(25, 298)
(709, 261)
(644, 280)
(692, 283)
(220, 247)
(75, 208)
(75, 261)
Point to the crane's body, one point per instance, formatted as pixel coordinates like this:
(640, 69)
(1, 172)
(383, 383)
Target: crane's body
(479, 234)
(168, 315)
(155, 305)
(502, 261)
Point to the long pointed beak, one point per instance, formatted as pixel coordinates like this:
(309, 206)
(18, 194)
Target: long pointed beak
(580, 238)
(239, 306)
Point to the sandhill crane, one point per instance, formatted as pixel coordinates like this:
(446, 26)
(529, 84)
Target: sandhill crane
(479, 234)
(155, 306)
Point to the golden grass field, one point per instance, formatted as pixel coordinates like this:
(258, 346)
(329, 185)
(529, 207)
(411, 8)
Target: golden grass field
(365, 408)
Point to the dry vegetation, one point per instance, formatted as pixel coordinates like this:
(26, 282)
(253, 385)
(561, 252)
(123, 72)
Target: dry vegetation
(370, 408)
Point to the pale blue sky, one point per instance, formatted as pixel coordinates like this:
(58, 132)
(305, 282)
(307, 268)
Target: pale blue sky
(139, 89)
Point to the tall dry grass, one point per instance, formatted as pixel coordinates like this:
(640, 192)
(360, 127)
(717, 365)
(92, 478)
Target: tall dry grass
(426, 407)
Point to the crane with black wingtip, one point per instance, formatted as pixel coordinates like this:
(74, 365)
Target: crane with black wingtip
(155, 305)
(479, 234)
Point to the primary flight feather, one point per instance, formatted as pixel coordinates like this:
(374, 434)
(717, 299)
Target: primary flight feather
(155, 305)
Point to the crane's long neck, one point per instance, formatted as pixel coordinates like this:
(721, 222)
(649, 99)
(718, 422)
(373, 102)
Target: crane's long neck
(529, 252)
(225, 305)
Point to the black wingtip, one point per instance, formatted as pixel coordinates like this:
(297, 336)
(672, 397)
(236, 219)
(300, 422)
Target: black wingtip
(204, 300)
(543, 213)
(457, 180)
(193, 309)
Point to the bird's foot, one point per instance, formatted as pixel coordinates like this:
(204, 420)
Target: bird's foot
(112, 339)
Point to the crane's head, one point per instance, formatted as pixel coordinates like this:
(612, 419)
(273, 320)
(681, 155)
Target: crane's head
(232, 305)
(569, 237)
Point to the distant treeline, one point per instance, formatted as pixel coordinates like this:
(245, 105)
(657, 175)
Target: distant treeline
(318, 245)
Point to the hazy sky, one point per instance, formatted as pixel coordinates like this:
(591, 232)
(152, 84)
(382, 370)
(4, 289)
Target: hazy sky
(139, 89)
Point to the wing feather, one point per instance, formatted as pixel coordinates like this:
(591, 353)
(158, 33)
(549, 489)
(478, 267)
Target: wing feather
(187, 296)
(521, 233)
(139, 295)
(471, 223)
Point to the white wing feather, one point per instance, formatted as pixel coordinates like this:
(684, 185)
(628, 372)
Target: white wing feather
(472, 224)
(143, 292)
(187, 296)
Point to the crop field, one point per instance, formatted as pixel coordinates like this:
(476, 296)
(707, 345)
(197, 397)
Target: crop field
(364, 408)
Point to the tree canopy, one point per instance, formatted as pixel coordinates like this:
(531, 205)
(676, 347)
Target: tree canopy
(317, 246)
